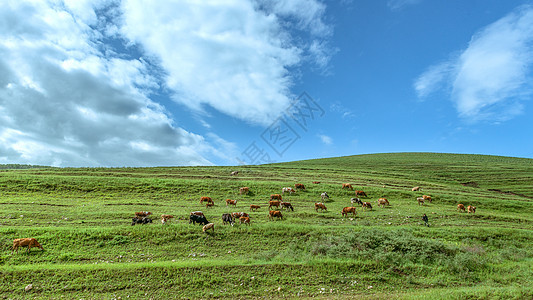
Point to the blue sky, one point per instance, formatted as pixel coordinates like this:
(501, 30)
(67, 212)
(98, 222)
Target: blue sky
(145, 83)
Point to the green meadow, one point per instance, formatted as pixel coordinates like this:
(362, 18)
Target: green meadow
(82, 218)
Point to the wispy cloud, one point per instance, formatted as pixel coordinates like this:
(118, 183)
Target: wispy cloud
(491, 78)
(399, 4)
(325, 139)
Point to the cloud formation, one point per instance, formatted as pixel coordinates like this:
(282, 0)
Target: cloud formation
(76, 77)
(325, 139)
(234, 56)
(399, 4)
(492, 77)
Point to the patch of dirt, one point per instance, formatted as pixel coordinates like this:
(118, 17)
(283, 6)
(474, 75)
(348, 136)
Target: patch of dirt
(143, 204)
(470, 184)
(49, 204)
(510, 193)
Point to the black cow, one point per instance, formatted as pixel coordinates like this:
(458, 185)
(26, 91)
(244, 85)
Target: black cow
(198, 219)
(144, 220)
(226, 218)
(357, 200)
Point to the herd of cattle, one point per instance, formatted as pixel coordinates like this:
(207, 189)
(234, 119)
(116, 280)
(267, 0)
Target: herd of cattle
(276, 202)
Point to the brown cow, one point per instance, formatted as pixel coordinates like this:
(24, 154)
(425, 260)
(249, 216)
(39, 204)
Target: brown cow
(360, 193)
(237, 215)
(471, 209)
(316, 182)
(254, 207)
(245, 220)
(275, 214)
(275, 196)
(420, 200)
(348, 210)
(347, 186)
(244, 190)
(142, 214)
(427, 198)
(460, 207)
(198, 213)
(275, 203)
(209, 226)
(209, 204)
(383, 201)
(287, 205)
(25, 242)
(321, 206)
(367, 205)
(288, 190)
(231, 202)
(299, 186)
(206, 199)
(165, 218)
(416, 188)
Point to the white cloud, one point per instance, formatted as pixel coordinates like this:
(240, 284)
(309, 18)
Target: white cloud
(491, 78)
(64, 103)
(76, 76)
(325, 139)
(232, 55)
(399, 4)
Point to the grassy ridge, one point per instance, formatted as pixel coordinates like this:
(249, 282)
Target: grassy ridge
(82, 218)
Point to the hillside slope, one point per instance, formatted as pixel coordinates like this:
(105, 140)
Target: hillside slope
(82, 218)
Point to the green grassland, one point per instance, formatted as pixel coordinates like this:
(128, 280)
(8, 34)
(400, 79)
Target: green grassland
(82, 218)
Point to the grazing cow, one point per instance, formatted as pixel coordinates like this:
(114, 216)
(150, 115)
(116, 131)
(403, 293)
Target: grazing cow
(360, 193)
(209, 226)
(254, 207)
(234, 173)
(198, 219)
(244, 190)
(245, 220)
(367, 205)
(288, 190)
(348, 210)
(287, 205)
(356, 200)
(321, 206)
(416, 188)
(140, 221)
(316, 182)
(275, 196)
(25, 242)
(324, 196)
(227, 219)
(165, 218)
(275, 214)
(198, 213)
(471, 209)
(273, 203)
(347, 186)
(209, 204)
(299, 186)
(206, 199)
(237, 215)
(383, 201)
(231, 202)
(142, 214)
(427, 198)
(420, 200)
(460, 207)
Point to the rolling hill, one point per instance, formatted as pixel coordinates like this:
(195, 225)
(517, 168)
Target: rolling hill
(82, 218)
